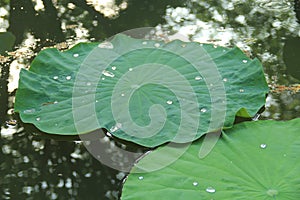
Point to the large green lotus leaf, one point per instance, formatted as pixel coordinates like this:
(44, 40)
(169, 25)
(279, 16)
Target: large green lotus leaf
(253, 160)
(144, 91)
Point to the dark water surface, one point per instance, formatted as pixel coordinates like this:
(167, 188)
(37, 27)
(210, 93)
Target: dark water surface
(34, 165)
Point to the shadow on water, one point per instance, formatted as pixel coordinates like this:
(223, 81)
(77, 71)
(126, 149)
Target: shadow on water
(35, 165)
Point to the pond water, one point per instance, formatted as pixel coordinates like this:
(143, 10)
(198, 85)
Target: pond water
(35, 165)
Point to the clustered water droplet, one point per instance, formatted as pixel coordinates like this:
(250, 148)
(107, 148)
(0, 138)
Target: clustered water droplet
(203, 110)
(242, 90)
(157, 45)
(75, 55)
(106, 45)
(141, 177)
(108, 73)
(68, 78)
(210, 190)
(263, 146)
(55, 77)
(169, 102)
(198, 78)
(113, 67)
(195, 183)
(245, 61)
(115, 127)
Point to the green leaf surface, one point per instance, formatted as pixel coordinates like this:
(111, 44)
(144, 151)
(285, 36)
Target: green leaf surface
(253, 160)
(143, 91)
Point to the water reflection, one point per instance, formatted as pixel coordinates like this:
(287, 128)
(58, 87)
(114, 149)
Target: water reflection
(34, 166)
(37, 168)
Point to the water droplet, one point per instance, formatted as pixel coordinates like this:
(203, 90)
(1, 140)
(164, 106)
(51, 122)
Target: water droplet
(29, 111)
(130, 69)
(157, 45)
(195, 183)
(38, 119)
(68, 78)
(108, 73)
(215, 46)
(122, 94)
(263, 146)
(242, 90)
(245, 61)
(203, 110)
(96, 101)
(115, 127)
(75, 55)
(55, 77)
(272, 192)
(102, 78)
(225, 79)
(88, 84)
(169, 102)
(141, 177)
(113, 67)
(210, 190)
(198, 78)
(106, 45)
(183, 45)
(144, 43)
(201, 45)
